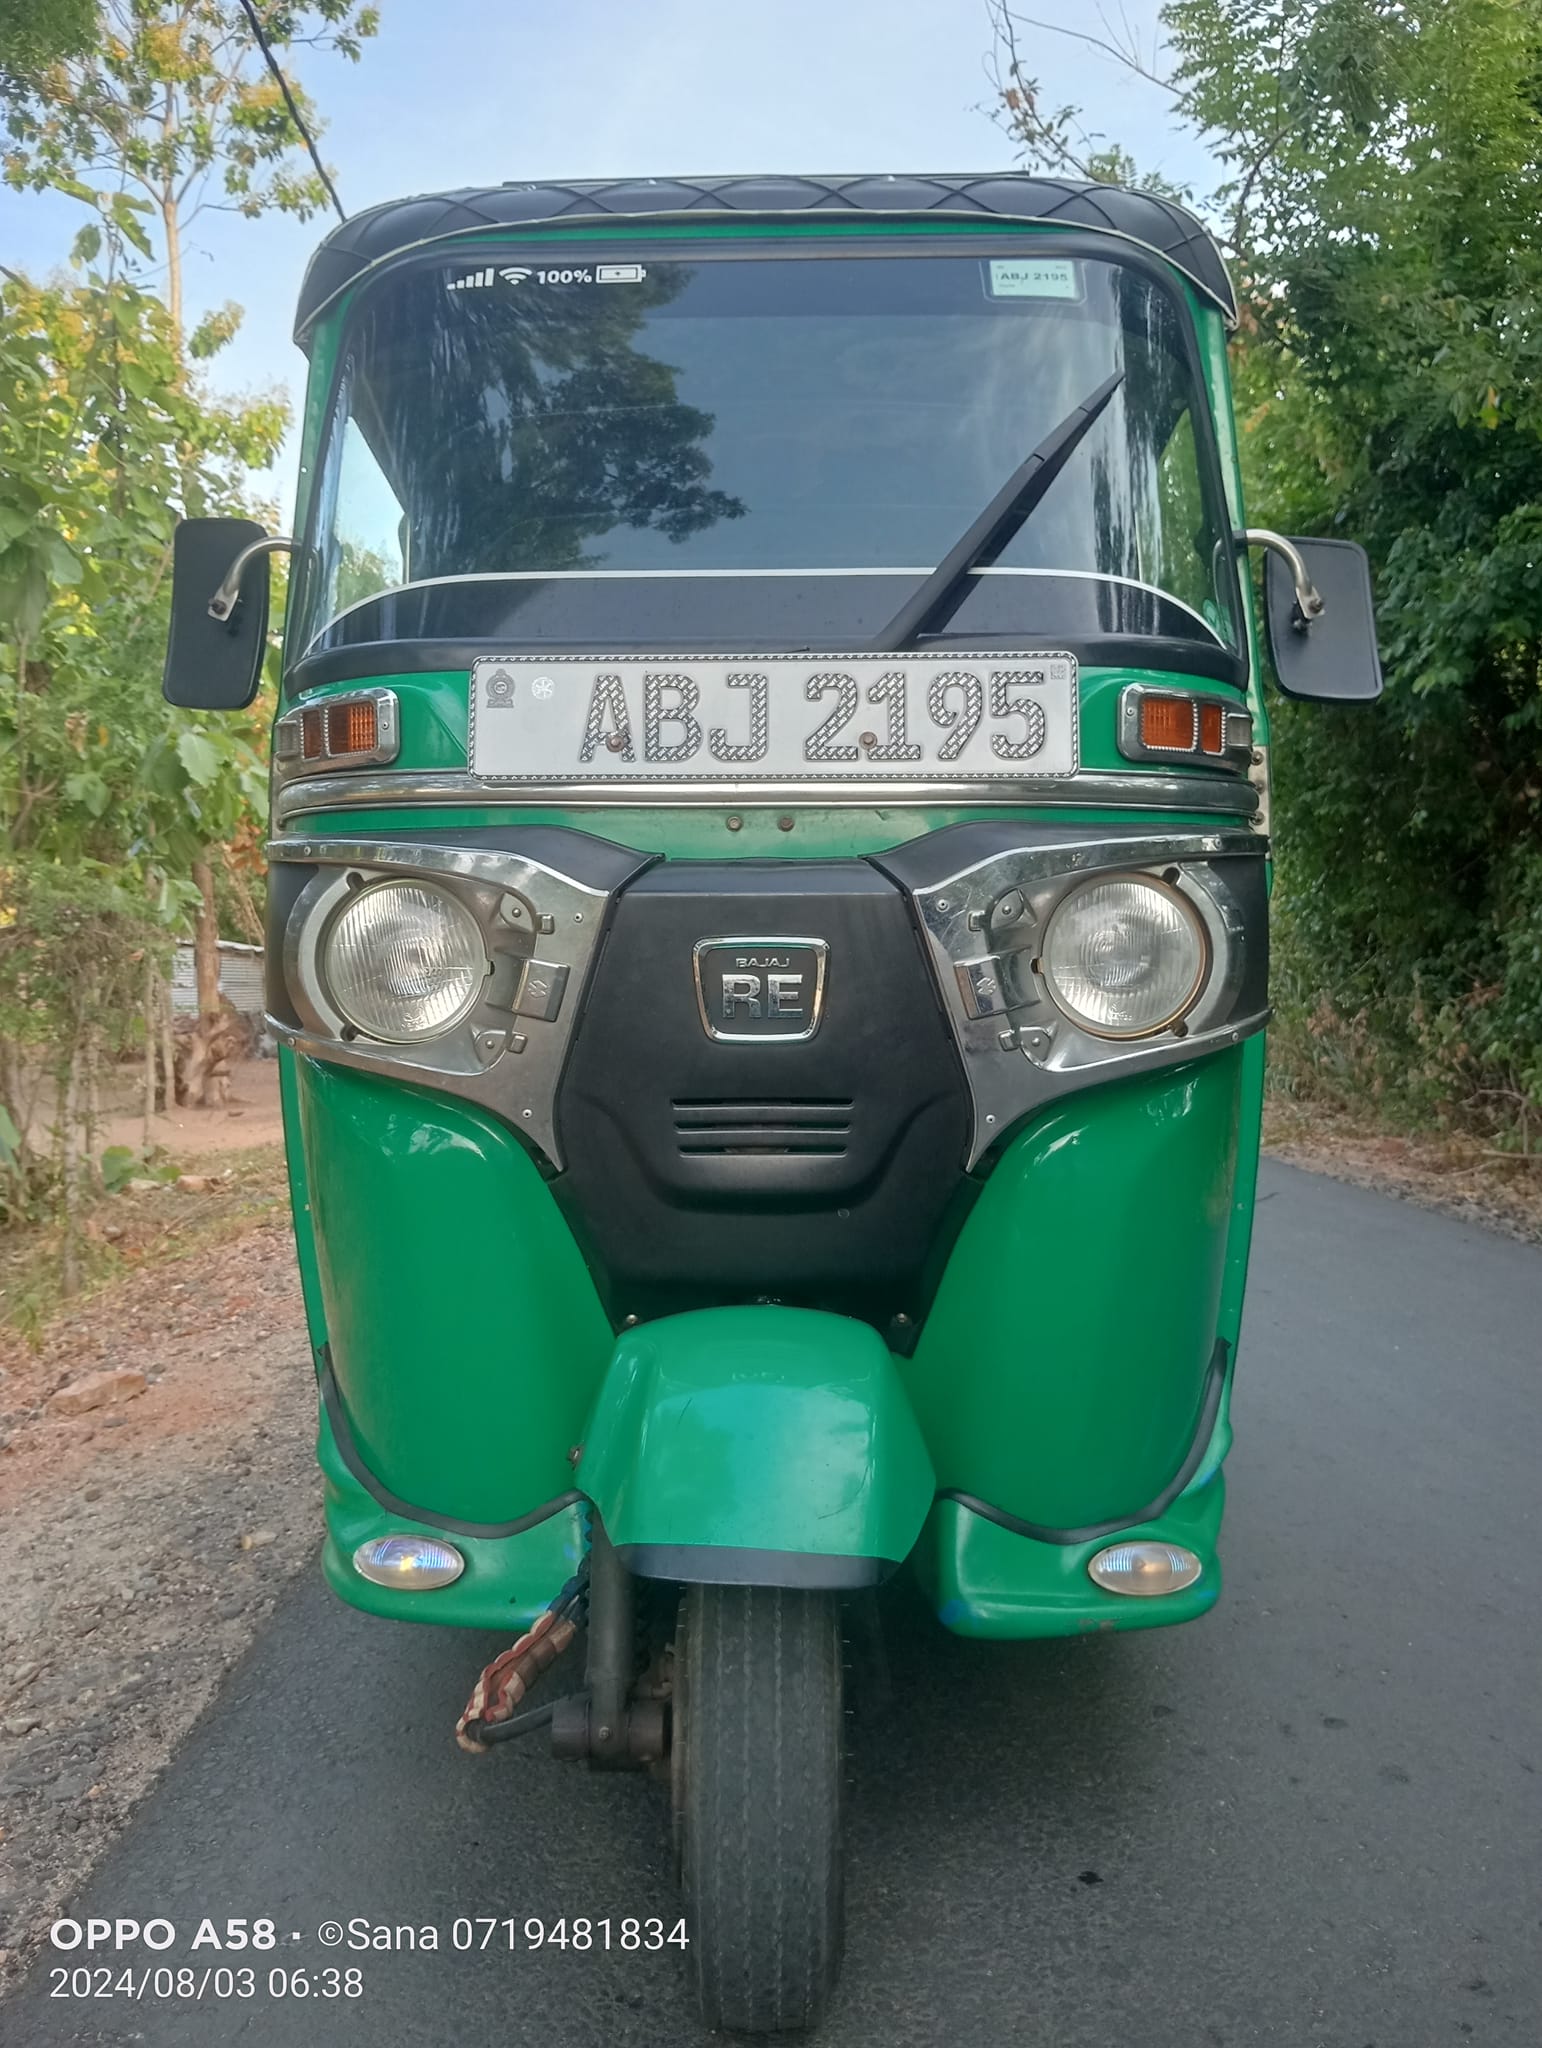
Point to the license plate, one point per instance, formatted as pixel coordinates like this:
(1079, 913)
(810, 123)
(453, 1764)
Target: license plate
(774, 718)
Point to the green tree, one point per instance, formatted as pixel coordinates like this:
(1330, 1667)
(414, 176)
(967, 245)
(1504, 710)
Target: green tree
(37, 33)
(1385, 200)
(107, 795)
(1381, 201)
(173, 106)
(170, 110)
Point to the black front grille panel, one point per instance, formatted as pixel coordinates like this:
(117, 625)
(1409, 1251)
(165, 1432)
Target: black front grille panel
(761, 1129)
(823, 1171)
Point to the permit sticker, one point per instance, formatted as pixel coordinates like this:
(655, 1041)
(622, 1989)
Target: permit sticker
(1034, 277)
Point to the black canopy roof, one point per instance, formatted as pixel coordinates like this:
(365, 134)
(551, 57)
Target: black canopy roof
(357, 244)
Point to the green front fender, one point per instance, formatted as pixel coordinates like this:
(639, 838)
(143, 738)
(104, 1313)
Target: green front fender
(757, 1446)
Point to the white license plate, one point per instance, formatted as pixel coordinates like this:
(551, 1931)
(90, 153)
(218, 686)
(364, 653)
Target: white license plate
(774, 718)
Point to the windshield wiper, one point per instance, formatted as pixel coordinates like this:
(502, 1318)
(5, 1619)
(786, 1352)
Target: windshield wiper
(940, 596)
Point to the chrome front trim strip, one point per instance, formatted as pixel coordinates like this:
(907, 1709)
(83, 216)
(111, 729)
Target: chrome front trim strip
(1090, 789)
(737, 575)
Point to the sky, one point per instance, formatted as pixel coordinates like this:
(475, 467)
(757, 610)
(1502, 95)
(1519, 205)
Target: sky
(473, 92)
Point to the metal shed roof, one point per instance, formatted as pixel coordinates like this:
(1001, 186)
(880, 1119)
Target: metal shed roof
(358, 244)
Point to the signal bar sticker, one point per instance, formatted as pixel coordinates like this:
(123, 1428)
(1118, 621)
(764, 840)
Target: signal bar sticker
(518, 273)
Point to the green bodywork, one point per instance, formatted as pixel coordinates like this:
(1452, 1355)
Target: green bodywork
(795, 1426)
(471, 1359)
(440, 1249)
(983, 1580)
(1062, 1371)
(1064, 1374)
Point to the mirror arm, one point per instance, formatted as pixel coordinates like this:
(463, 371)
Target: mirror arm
(1308, 598)
(225, 599)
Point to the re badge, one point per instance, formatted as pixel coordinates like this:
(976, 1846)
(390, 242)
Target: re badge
(749, 990)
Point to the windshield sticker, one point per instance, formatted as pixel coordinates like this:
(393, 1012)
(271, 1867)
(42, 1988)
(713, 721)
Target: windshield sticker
(1034, 277)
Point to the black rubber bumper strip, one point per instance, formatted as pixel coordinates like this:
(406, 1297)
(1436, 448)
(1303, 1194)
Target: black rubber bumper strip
(717, 1564)
(1041, 1534)
(348, 1451)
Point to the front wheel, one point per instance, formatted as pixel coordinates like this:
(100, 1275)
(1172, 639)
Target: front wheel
(757, 1776)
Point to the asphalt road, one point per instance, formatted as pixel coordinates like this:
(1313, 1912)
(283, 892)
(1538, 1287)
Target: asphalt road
(1314, 1817)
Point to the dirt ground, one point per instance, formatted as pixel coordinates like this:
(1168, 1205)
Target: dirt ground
(129, 1592)
(146, 1541)
(250, 1117)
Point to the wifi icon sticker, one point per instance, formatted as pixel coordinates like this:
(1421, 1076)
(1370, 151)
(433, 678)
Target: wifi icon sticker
(515, 275)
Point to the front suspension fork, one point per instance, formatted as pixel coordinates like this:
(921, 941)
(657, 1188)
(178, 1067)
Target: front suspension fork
(605, 1722)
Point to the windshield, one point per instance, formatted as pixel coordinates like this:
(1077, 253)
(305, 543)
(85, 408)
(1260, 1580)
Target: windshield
(751, 451)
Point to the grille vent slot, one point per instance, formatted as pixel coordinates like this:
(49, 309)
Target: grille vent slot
(762, 1129)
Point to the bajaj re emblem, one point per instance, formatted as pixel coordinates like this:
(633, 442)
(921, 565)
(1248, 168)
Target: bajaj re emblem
(749, 990)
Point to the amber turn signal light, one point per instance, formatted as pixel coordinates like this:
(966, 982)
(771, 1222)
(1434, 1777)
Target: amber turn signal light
(351, 727)
(312, 736)
(1168, 723)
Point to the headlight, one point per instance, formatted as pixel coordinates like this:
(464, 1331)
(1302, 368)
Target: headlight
(402, 962)
(1124, 955)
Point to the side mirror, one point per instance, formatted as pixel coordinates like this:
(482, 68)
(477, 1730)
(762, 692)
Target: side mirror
(1324, 651)
(219, 620)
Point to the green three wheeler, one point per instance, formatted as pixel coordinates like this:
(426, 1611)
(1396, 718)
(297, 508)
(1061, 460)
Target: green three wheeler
(769, 946)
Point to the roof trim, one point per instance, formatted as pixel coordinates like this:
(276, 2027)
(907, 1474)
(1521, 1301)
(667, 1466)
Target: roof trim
(368, 240)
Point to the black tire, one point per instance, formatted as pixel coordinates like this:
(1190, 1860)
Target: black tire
(758, 1778)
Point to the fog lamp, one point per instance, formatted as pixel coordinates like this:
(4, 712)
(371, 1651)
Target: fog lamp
(1144, 1569)
(413, 1564)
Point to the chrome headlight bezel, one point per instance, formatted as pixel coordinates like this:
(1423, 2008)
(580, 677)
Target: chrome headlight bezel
(540, 925)
(984, 920)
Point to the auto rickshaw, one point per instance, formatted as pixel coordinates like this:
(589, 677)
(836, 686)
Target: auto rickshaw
(768, 938)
